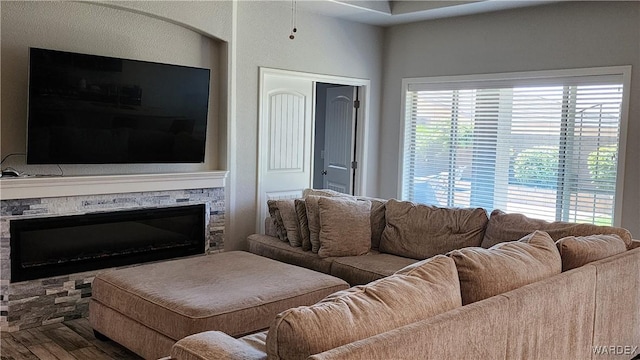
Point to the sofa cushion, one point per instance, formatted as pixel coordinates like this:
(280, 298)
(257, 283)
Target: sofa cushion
(487, 272)
(426, 288)
(313, 217)
(287, 210)
(313, 220)
(576, 251)
(476, 331)
(359, 270)
(345, 226)
(421, 231)
(281, 232)
(218, 345)
(378, 221)
(270, 227)
(273, 248)
(509, 227)
(321, 192)
(301, 211)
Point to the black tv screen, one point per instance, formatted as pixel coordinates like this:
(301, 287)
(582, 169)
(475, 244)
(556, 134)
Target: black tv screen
(88, 109)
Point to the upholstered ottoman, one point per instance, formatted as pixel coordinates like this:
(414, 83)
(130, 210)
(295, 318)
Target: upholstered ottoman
(148, 308)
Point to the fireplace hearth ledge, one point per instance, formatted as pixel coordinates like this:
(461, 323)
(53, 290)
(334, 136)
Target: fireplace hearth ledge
(49, 186)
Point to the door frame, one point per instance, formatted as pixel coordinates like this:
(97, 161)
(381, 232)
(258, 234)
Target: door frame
(361, 136)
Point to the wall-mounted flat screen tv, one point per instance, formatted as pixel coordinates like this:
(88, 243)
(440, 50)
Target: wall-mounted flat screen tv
(88, 109)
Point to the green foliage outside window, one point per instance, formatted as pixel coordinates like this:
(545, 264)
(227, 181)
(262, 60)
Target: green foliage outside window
(602, 167)
(537, 166)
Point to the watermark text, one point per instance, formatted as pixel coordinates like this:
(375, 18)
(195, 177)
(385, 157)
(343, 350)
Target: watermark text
(614, 350)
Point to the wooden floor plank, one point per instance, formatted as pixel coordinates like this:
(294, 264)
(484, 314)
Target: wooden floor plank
(13, 350)
(57, 351)
(30, 337)
(71, 340)
(66, 338)
(114, 350)
(90, 353)
(41, 352)
(51, 326)
(81, 327)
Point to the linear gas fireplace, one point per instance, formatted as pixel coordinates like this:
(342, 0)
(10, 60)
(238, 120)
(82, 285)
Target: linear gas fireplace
(50, 246)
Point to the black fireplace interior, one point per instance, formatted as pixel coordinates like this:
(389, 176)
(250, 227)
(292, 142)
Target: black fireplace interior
(44, 247)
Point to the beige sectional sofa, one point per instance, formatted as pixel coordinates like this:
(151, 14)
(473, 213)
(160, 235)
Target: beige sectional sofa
(397, 237)
(503, 290)
(589, 312)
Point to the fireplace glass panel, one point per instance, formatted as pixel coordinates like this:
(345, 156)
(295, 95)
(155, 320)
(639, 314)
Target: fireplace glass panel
(44, 247)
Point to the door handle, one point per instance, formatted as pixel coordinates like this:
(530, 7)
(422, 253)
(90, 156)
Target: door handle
(324, 172)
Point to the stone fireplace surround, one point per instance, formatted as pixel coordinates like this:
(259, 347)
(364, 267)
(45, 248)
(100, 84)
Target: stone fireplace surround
(50, 300)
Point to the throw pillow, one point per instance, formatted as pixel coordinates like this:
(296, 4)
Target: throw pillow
(301, 211)
(421, 231)
(487, 272)
(287, 209)
(345, 226)
(576, 251)
(509, 227)
(427, 288)
(378, 221)
(321, 192)
(313, 221)
(277, 219)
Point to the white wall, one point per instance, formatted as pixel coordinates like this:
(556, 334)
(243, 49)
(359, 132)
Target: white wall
(557, 36)
(322, 45)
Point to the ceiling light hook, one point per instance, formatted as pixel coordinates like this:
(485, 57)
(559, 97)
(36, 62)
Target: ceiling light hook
(294, 14)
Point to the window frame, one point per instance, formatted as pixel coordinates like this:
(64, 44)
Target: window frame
(514, 78)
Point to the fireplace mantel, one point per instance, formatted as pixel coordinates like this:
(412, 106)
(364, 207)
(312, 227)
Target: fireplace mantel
(43, 187)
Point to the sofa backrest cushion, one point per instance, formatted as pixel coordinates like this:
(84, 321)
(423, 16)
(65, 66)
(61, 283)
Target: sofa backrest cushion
(509, 227)
(378, 222)
(420, 231)
(414, 293)
(345, 226)
(576, 251)
(487, 272)
(301, 211)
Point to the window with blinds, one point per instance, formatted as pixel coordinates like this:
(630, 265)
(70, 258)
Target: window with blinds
(543, 145)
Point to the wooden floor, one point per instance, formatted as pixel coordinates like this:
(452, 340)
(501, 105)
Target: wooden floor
(70, 340)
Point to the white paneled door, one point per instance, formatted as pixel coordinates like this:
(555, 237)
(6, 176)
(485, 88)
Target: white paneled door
(285, 138)
(338, 141)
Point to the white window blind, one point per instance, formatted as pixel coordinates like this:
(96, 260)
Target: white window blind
(546, 147)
